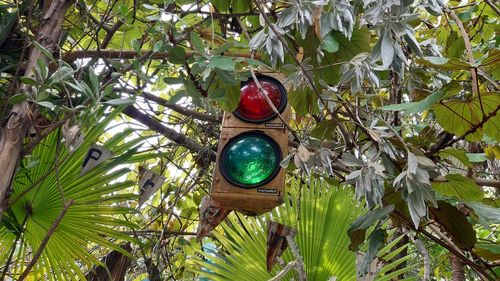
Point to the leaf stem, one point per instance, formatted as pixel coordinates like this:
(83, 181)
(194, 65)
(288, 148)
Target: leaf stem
(45, 241)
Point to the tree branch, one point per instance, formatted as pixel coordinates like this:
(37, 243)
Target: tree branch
(169, 133)
(445, 141)
(468, 48)
(478, 181)
(175, 107)
(475, 128)
(493, 6)
(131, 54)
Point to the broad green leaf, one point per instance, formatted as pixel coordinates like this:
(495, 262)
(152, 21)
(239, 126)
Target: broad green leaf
(444, 63)
(358, 228)
(221, 5)
(119, 102)
(172, 80)
(492, 127)
(487, 215)
(387, 51)
(488, 251)
(460, 155)
(459, 187)
(476, 157)
(455, 46)
(197, 43)
(44, 51)
(227, 77)
(177, 55)
(47, 104)
(17, 98)
(330, 44)
(222, 62)
(419, 106)
(232, 98)
(493, 59)
(458, 117)
(303, 100)
(467, 14)
(330, 72)
(28, 81)
(218, 94)
(240, 6)
(455, 223)
(324, 130)
(226, 46)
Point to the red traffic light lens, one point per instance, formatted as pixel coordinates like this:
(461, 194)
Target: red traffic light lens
(250, 159)
(253, 107)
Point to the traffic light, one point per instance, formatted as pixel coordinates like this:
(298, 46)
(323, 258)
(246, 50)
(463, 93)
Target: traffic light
(253, 141)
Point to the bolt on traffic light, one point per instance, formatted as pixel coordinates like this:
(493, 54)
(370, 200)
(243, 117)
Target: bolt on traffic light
(248, 176)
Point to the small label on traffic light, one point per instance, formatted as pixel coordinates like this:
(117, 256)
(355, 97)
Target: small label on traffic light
(267, 190)
(274, 125)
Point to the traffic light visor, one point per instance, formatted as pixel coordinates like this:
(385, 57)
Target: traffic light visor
(253, 106)
(250, 159)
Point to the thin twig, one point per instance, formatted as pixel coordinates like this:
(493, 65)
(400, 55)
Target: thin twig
(493, 6)
(300, 261)
(175, 107)
(284, 271)
(131, 54)
(468, 48)
(171, 134)
(478, 181)
(474, 128)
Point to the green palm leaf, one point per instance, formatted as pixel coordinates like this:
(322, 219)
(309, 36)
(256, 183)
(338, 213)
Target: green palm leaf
(91, 220)
(321, 214)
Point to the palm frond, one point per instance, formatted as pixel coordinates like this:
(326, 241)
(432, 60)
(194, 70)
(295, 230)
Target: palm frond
(321, 214)
(387, 254)
(98, 196)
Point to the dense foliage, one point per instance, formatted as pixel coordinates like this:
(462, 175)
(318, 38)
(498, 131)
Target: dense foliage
(393, 169)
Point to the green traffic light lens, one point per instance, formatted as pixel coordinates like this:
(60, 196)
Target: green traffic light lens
(250, 159)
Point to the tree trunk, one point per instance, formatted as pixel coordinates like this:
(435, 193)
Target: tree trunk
(116, 266)
(18, 120)
(457, 268)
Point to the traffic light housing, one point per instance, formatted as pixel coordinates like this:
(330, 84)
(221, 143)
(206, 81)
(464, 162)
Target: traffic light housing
(253, 141)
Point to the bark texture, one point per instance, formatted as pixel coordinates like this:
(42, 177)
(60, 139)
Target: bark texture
(457, 268)
(13, 132)
(117, 265)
